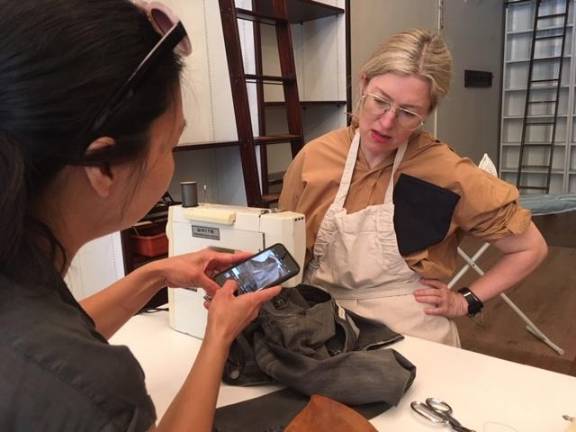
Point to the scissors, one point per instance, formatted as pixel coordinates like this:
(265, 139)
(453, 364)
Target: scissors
(438, 412)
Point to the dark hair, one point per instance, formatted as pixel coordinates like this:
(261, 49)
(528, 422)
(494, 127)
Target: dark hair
(60, 61)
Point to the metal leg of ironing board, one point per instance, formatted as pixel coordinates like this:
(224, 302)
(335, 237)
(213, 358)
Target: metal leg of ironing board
(465, 268)
(530, 326)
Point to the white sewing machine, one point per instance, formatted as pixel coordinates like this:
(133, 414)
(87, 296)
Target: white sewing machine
(226, 228)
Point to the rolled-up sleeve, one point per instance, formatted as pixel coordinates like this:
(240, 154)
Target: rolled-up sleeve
(488, 208)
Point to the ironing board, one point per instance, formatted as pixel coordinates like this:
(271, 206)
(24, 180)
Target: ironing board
(539, 205)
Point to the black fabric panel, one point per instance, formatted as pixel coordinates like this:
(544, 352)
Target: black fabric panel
(422, 215)
(274, 411)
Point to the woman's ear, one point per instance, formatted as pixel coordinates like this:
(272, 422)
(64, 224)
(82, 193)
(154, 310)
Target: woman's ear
(100, 176)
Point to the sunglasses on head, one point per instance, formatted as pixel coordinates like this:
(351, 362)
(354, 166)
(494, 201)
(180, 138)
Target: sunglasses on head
(174, 38)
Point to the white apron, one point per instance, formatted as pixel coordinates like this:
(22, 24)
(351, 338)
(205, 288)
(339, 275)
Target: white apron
(356, 259)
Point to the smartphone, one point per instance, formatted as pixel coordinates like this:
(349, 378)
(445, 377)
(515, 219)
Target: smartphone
(270, 267)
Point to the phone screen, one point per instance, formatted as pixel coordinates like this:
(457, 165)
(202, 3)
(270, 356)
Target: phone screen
(270, 267)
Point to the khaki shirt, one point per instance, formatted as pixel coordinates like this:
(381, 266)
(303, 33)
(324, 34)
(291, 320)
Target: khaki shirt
(488, 207)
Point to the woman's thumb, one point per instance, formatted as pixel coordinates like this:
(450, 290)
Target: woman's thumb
(267, 294)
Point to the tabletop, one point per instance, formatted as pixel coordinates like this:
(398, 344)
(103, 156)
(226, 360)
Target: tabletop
(487, 394)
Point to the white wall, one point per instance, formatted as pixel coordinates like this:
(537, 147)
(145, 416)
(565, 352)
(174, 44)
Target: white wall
(468, 118)
(372, 21)
(319, 56)
(97, 265)
(208, 106)
(206, 86)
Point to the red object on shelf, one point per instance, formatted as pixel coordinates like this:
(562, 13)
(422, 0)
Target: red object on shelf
(150, 240)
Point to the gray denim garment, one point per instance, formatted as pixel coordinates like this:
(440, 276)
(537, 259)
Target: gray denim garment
(304, 340)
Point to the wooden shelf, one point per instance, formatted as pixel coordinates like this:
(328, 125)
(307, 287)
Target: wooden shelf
(300, 10)
(306, 104)
(203, 145)
(276, 139)
(248, 15)
(270, 198)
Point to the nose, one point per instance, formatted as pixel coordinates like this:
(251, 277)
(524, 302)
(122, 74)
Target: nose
(388, 119)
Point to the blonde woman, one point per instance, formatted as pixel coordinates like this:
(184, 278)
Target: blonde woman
(387, 204)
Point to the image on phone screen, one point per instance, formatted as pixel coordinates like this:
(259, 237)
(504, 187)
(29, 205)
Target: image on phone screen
(269, 267)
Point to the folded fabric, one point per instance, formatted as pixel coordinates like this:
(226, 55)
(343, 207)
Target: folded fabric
(304, 341)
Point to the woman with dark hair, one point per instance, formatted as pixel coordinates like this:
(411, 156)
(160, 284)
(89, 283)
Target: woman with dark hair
(90, 110)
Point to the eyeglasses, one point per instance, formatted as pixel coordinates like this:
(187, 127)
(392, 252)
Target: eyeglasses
(379, 106)
(174, 37)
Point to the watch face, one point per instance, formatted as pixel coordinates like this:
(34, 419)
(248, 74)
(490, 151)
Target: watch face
(475, 305)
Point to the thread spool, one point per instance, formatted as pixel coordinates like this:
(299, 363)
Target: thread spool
(189, 194)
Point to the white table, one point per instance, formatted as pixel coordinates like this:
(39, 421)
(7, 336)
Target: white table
(482, 390)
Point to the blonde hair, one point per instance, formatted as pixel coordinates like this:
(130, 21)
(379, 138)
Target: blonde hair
(413, 52)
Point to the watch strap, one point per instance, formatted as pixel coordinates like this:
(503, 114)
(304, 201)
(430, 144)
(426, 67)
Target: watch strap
(475, 305)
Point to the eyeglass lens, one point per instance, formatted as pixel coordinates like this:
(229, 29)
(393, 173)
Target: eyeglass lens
(405, 118)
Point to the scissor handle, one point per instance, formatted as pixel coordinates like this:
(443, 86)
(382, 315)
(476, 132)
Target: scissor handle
(439, 405)
(428, 413)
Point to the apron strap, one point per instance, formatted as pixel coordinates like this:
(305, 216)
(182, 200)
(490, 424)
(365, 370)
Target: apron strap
(346, 178)
(397, 159)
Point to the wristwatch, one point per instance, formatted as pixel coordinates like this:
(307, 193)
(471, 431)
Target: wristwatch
(475, 305)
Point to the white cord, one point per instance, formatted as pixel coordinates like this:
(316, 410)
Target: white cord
(498, 427)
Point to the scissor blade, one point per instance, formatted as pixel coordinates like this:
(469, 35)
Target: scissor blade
(460, 428)
(456, 425)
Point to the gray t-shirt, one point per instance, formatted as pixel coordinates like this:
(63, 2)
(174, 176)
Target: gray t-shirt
(57, 373)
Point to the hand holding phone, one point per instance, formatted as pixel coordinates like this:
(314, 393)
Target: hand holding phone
(270, 267)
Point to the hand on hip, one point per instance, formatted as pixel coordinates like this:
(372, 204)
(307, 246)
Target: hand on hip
(441, 299)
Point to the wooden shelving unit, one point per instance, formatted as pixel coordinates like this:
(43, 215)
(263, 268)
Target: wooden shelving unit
(155, 219)
(320, 37)
(519, 20)
(307, 104)
(205, 145)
